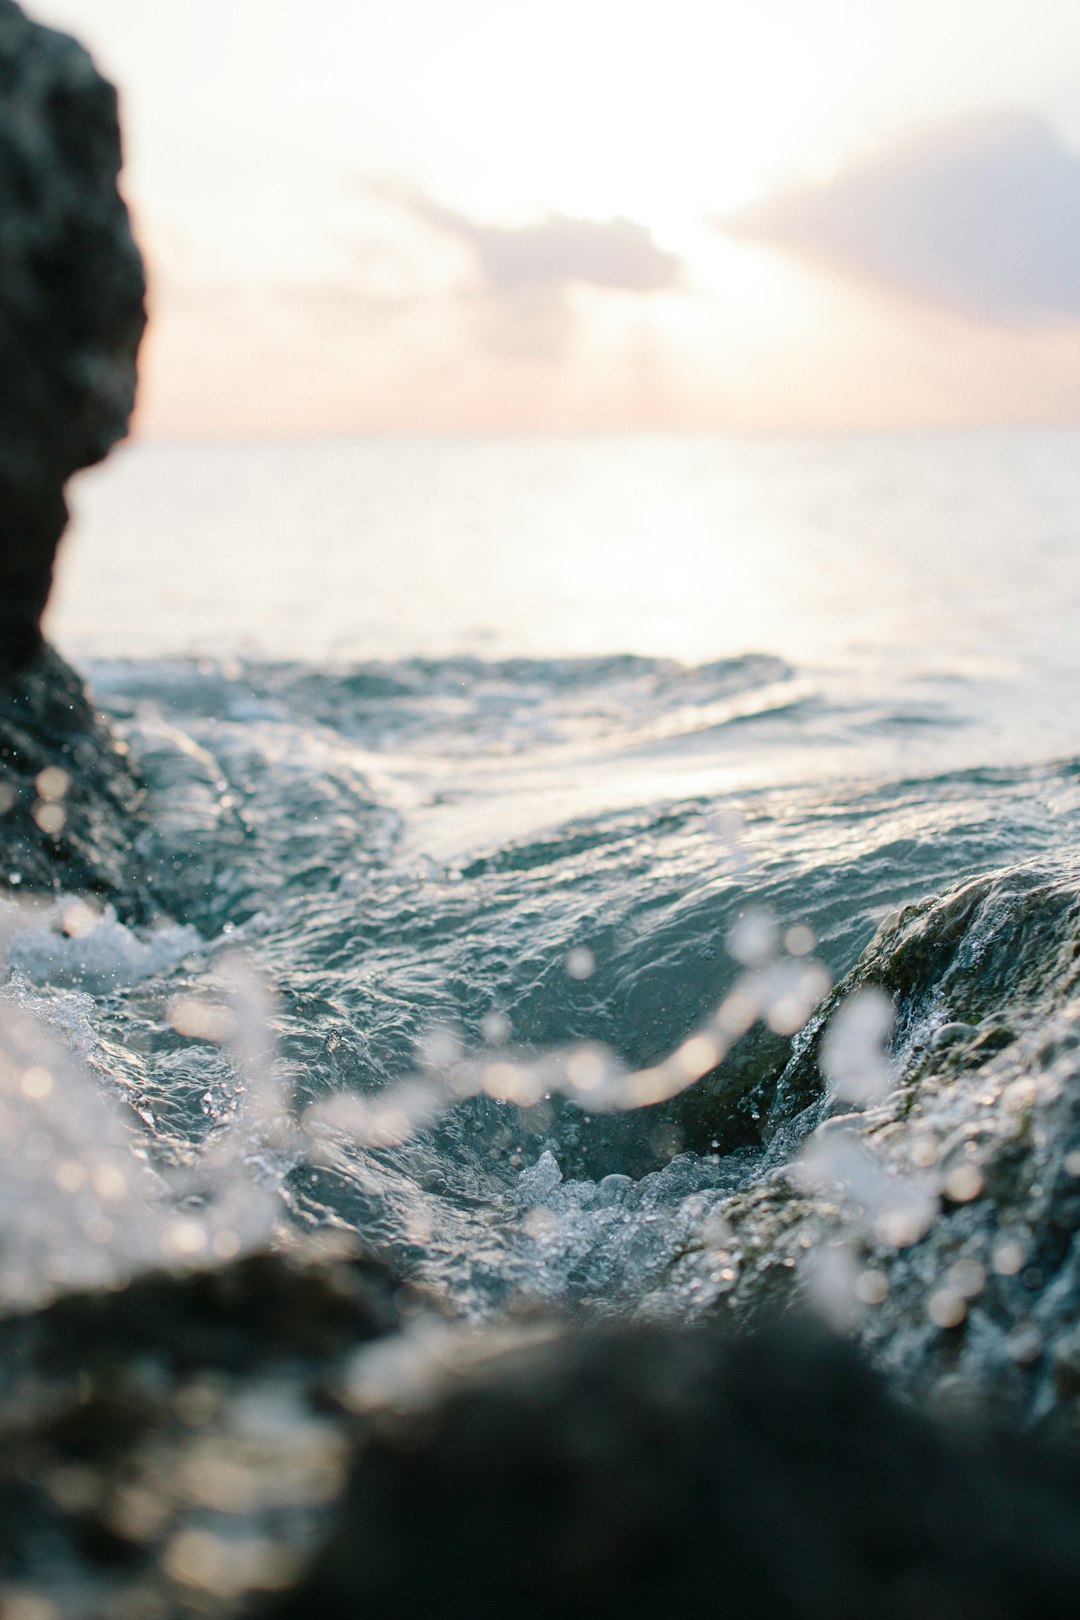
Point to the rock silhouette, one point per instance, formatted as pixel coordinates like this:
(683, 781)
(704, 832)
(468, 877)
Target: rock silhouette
(71, 317)
(71, 304)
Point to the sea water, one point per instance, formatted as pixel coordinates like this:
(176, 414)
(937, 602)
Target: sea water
(483, 775)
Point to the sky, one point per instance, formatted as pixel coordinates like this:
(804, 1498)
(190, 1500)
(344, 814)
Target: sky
(476, 215)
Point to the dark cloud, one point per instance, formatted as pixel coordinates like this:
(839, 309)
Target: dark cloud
(983, 217)
(525, 272)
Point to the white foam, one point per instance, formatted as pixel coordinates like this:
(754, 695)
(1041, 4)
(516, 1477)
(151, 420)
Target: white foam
(614, 1237)
(80, 1202)
(99, 953)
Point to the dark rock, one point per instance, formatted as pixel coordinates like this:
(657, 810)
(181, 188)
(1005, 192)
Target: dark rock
(71, 304)
(939, 1223)
(73, 829)
(261, 1309)
(166, 1444)
(1003, 942)
(656, 1471)
(287, 1431)
(71, 317)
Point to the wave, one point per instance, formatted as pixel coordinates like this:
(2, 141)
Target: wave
(399, 850)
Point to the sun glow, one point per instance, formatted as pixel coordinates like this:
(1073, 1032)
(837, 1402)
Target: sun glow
(329, 194)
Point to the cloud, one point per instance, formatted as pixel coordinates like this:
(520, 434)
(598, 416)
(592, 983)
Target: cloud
(524, 273)
(614, 253)
(982, 217)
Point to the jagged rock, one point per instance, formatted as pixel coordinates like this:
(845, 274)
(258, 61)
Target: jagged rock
(69, 800)
(960, 965)
(71, 317)
(71, 304)
(941, 1222)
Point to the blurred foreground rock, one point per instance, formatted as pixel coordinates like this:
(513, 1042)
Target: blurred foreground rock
(636, 1472)
(165, 1448)
(265, 1440)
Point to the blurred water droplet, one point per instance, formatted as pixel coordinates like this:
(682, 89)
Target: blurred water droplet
(946, 1308)
(754, 938)
(580, 963)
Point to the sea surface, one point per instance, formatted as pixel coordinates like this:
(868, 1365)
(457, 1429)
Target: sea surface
(497, 786)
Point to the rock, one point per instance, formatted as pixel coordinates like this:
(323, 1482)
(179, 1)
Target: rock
(166, 1444)
(1001, 944)
(939, 1223)
(71, 317)
(637, 1472)
(69, 800)
(71, 304)
(296, 1436)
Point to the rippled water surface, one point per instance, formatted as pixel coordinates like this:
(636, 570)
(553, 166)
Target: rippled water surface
(461, 752)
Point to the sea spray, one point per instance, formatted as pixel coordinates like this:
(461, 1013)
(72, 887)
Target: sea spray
(480, 961)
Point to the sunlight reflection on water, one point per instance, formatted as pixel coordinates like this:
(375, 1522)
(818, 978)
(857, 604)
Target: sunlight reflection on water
(955, 546)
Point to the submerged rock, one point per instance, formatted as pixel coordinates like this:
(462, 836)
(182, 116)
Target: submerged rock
(71, 304)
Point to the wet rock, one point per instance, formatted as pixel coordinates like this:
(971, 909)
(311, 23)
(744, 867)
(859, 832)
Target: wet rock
(71, 317)
(69, 799)
(294, 1437)
(997, 954)
(71, 304)
(167, 1446)
(938, 1223)
(656, 1471)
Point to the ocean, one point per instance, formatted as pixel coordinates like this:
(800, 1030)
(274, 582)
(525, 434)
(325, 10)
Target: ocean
(514, 803)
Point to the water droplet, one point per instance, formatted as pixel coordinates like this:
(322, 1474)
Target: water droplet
(580, 963)
(753, 939)
(52, 783)
(495, 1028)
(872, 1287)
(36, 1083)
(201, 1020)
(968, 1278)
(1009, 1258)
(964, 1183)
(946, 1308)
